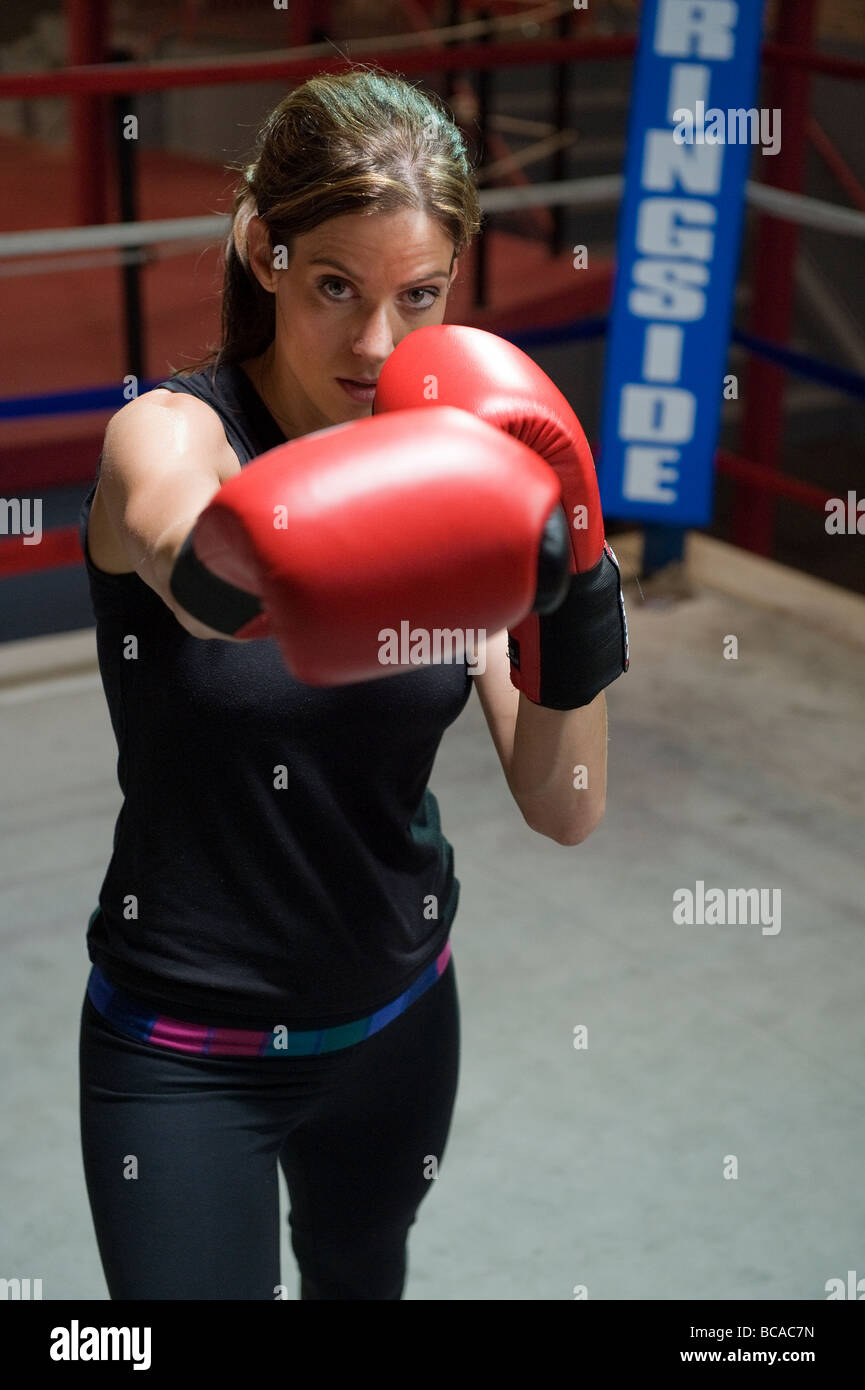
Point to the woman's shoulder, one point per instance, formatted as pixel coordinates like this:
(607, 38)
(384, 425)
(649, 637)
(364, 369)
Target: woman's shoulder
(169, 433)
(175, 418)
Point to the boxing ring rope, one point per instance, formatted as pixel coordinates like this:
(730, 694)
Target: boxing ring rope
(124, 244)
(61, 547)
(113, 79)
(603, 191)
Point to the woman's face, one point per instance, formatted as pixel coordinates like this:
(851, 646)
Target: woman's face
(353, 288)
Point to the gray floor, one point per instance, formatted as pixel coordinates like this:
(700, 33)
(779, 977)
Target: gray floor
(603, 1166)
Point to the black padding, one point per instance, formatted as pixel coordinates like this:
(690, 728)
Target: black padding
(583, 645)
(212, 600)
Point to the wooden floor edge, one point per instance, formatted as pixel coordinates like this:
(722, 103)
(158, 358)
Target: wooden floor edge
(764, 583)
(48, 657)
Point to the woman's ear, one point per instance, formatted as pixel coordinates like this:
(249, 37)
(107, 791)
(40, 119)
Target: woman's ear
(454, 268)
(260, 253)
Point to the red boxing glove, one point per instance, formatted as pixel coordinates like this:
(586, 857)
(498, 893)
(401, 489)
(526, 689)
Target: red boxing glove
(418, 517)
(560, 659)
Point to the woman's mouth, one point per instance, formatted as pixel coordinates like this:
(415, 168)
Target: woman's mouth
(362, 392)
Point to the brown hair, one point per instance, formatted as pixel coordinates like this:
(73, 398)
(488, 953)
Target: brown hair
(364, 140)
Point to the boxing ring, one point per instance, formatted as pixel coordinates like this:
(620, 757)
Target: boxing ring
(648, 1110)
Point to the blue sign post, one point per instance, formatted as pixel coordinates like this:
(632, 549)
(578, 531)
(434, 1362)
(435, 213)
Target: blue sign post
(691, 132)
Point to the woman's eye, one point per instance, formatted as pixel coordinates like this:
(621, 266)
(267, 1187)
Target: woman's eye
(426, 290)
(324, 283)
(324, 286)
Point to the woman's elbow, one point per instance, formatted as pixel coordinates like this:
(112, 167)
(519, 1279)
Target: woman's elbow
(572, 834)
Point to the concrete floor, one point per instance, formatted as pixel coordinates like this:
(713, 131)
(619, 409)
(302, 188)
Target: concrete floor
(604, 1166)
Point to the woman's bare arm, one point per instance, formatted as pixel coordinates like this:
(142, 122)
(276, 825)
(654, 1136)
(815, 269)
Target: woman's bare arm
(165, 456)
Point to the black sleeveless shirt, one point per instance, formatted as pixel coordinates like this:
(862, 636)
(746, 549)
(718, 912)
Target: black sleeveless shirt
(278, 853)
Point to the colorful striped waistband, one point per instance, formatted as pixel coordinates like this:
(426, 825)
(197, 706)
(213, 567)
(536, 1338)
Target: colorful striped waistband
(134, 1017)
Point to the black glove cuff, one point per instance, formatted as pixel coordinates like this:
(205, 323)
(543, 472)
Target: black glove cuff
(583, 645)
(212, 600)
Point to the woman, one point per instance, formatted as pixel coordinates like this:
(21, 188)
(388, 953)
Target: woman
(272, 981)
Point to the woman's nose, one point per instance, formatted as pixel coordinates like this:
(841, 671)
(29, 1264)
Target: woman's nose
(375, 336)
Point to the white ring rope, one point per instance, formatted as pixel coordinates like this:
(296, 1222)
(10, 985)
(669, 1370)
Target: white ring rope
(604, 191)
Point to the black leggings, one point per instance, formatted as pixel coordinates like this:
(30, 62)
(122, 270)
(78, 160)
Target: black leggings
(180, 1158)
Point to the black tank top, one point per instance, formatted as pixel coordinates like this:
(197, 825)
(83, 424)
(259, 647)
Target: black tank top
(278, 853)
